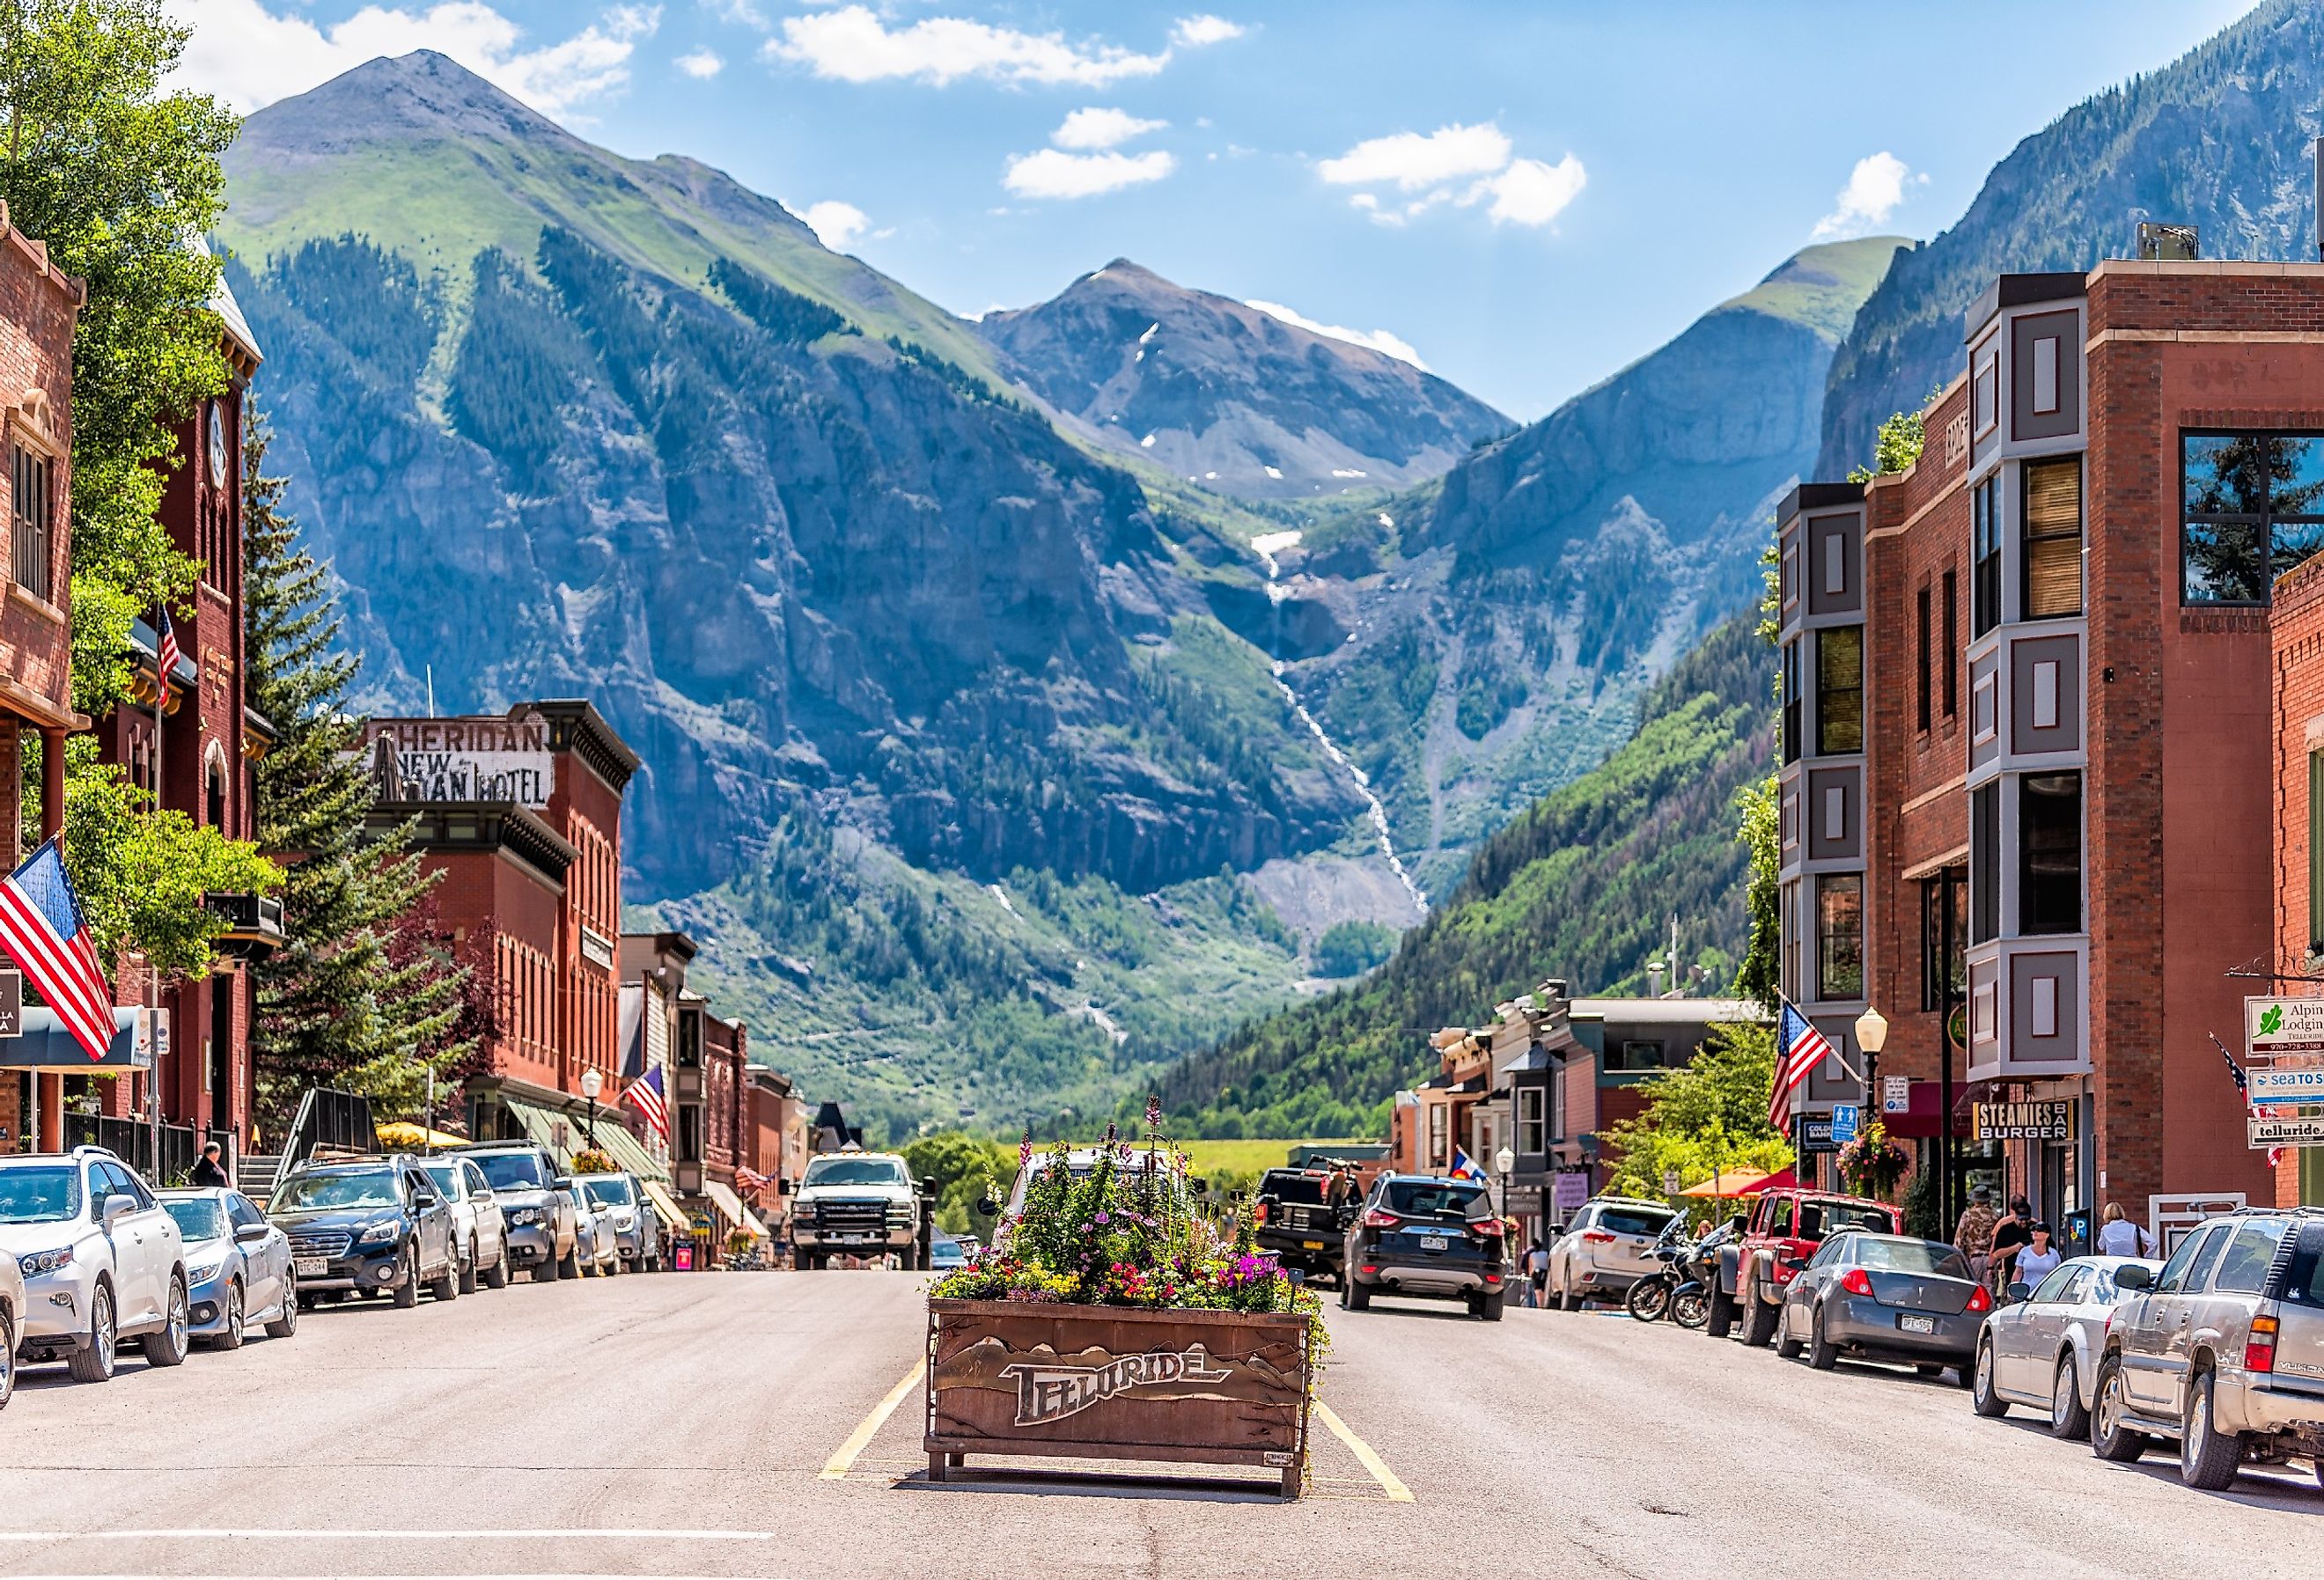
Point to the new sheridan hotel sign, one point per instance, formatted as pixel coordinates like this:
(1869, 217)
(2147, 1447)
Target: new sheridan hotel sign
(493, 758)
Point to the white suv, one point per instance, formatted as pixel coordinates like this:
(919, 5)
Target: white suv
(1607, 1246)
(100, 1259)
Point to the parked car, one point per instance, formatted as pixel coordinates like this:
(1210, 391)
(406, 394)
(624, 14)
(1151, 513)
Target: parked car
(101, 1262)
(1883, 1297)
(1423, 1236)
(1608, 1245)
(368, 1226)
(593, 1230)
(479, 1226)
(945, 1254)
(12, 1321)
(237, 1267)
(856, 1204)
(2222, 1350)
(1786, 1228)
(637, 1227)
(2041, 1347)
(539, 1218)
(1306, 1231)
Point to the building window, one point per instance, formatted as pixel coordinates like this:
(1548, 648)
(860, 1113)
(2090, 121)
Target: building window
(1985, 864)
(690, 1132)
(1840, 936)
(2053, 525)
(1921, 696)
(2316, 852)
(1984, 557)
(31, 515)
(1791, 682)
(2050, 853)
(1533, 1128)
(1439, 1120)
(1840, 690)
(1788, 938)
(1635, 1054)
(2252, 507)
(1943, 956)
(1952, 647)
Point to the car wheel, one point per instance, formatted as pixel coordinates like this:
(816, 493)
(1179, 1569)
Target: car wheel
(570, 1268)
(2109, 1438)
(1822, 1353)
(1721, 1321)
(229, 1336)
(1567, 1300)
(293, 1303)
(2207, 1458)
(306, 1302)
(168, 1348)
(496, 1276)
(1984, 1398)
(1490, 1308)
(545, 1270)
(447, 1285)
(1758, 1318)
(407, 1281)
(1928, 1369)
(93, 1362)
(2068, 1419)
(1359, 1296)
(1786, 1347)
(468, 1271)
(7, 1358)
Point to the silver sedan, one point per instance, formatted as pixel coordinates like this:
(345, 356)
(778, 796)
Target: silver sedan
(2042, 1350)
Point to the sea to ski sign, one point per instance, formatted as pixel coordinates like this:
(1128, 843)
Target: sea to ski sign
(489, 759)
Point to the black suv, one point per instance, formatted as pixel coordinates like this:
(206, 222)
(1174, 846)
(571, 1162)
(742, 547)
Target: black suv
(368, 1226)
(1299, 1223)
(1426, 1235)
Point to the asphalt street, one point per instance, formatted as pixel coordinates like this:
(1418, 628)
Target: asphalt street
(733, 1424)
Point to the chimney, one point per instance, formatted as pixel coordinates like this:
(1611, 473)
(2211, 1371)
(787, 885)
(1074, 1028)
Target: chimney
(2167, 243)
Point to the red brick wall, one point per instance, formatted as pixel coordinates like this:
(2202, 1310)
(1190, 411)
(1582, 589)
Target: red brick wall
(587, 812)
(2297, 637)
(39, 307)
(483, 890)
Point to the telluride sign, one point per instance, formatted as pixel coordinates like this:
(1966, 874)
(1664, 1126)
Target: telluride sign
(489, 759)
(1051, 1393)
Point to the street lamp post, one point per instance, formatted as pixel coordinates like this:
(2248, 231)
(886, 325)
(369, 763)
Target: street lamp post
(1506, 1161)
(1871, 1036)
(592, 1083)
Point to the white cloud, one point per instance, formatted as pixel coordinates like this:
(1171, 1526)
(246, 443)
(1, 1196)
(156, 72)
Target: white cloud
(743, 13)
(1383, 341)
(851, 44)
(250, 56)
(1050, 174)
(1192, 33)
(835, 224)
(1413, 162)
(1874, 189)
(1102, 128)
(1529, 192)
(701, 64)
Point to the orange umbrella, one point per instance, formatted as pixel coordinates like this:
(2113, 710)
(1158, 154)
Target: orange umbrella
(1740, 1182)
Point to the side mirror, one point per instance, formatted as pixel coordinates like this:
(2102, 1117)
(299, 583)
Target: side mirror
(2131, 1275)
(119, 1206)
(986, 1207)
(423, 1201)
(252, 1233)
(563, 1182)
(2015, 1294)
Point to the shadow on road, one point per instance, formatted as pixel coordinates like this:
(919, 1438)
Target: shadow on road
(1053, 1483)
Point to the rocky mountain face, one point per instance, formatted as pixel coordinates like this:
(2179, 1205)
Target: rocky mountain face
(1220, 393)
(2217, 139)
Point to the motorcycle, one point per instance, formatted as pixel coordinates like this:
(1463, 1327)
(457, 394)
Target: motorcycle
(1678, 1289)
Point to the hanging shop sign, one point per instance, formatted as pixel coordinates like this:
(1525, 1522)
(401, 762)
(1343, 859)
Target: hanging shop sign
(2293, 1131)
(2285, 1083)
(2284, 1025)
(2048, 1120)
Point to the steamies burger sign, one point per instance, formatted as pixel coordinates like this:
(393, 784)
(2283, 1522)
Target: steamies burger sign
(491, 758)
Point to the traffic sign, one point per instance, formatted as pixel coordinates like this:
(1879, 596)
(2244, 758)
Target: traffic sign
(1844, 1116)
(1670, 1182)
(1896, 1094)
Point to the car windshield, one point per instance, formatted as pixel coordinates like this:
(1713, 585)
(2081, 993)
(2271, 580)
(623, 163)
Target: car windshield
(47, 1194)
(447, 1176)
(367, 1188)
(512, 1170)
(611, 1191)
(856, 1172)
(1289, 1185)
(1908, 1256)
(1634, 1220)
(1431, 1198)
(198, 1219)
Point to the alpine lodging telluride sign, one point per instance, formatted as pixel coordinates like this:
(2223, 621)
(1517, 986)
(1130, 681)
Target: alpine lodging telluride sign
(1115, 1383)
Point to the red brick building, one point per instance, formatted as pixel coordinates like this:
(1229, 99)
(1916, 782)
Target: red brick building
(2297, 638)
(39, 308)
(2027, 691)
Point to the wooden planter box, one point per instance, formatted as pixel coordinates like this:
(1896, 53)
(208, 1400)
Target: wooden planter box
(1106, 1383)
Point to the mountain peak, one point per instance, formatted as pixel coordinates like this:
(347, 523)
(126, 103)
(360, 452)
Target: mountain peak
(398, 98)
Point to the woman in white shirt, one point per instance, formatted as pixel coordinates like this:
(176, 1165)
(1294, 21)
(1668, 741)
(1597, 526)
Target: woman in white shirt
(2038, 1261)
(2118, 1237)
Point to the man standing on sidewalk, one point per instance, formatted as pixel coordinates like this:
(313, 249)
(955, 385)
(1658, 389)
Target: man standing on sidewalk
(1973, 1236)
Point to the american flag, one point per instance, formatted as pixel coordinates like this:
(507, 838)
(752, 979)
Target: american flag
(752, 1181)
(2243, 1089)
(41, 928)
(644, 1094)
(1799, 1048)
(166, 654)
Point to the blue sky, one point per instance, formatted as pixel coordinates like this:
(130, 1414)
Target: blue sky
(1525, 196)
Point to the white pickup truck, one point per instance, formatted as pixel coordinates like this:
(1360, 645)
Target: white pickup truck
(857, 1204)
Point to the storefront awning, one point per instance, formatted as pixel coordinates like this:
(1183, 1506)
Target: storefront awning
(44, 1044)
(731, 1205)
(628, 1154)
(672, 1215)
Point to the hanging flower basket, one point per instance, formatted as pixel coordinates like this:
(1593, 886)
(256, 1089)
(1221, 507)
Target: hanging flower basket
(1872, 1164)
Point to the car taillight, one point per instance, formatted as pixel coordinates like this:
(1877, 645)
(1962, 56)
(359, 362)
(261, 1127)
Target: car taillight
(1979, 1300)
(1493, 1278)
(1596, 1237)
(1381, 1218)
(2259, 1349)
(1371, 1268)
(1857, 1282)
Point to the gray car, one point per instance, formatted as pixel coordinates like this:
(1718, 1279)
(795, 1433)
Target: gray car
(542, 1239)
(237, 1267)
(1884, 1297)
(2041, 1347)
(637, 1228)
(593, 1232)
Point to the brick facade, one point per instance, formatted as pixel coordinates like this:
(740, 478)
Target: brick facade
(2297, 638)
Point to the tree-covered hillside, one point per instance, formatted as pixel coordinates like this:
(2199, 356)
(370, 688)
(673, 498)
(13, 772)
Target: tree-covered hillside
(1582, 886)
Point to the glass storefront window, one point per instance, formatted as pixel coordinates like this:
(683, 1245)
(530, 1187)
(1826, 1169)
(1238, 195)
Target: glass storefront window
(1840, 936)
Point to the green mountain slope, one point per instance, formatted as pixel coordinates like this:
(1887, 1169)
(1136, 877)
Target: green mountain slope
(1582, 886)
(2217, 139)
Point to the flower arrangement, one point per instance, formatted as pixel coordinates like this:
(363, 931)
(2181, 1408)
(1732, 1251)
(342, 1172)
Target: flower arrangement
(1128, 1233)
(593, 1160)
(1872, 1163)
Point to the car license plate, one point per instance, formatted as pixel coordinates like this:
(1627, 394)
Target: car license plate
(1917, 1324)
(1432, 1243)
(312, 1267)
(1310, 1245)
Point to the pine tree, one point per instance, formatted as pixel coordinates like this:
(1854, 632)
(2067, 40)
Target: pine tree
(361, 996)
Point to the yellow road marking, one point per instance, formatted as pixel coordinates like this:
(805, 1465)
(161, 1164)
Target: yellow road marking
(1397, 1492)
(843, 1459)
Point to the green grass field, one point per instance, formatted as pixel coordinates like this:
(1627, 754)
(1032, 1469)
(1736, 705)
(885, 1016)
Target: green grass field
(1239, 1157)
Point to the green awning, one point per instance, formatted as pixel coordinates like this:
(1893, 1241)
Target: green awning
(629, 1153)
(543, 1126)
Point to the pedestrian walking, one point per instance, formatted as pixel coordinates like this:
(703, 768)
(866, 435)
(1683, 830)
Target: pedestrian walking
(2118, 1237)
(207, 1173)
(2012, 1233)
(2039, 1259)
(1973, 1236)
(1537, 1273)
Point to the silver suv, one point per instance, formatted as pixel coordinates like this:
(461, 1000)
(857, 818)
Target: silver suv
(1607, 1246)
(100, 1259)
(2222, 1351)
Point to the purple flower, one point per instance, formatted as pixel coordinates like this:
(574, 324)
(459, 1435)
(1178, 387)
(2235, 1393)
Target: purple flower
(1103, 1216)
(1153, 1110)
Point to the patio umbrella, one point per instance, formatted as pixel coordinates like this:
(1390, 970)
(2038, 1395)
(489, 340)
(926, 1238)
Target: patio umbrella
(1735, 1182)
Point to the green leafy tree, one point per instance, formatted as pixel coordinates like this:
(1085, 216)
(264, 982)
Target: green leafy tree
(1902, 436)
(1707, 1117)
(363, 995)
(1755, 979)
(956, 1167)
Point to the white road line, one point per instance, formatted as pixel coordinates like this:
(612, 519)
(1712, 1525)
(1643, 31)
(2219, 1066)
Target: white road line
(1397, 1492)
(843, 1459)
(310, 1533)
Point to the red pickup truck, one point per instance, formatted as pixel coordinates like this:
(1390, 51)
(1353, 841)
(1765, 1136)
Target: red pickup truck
(1786, 1225)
